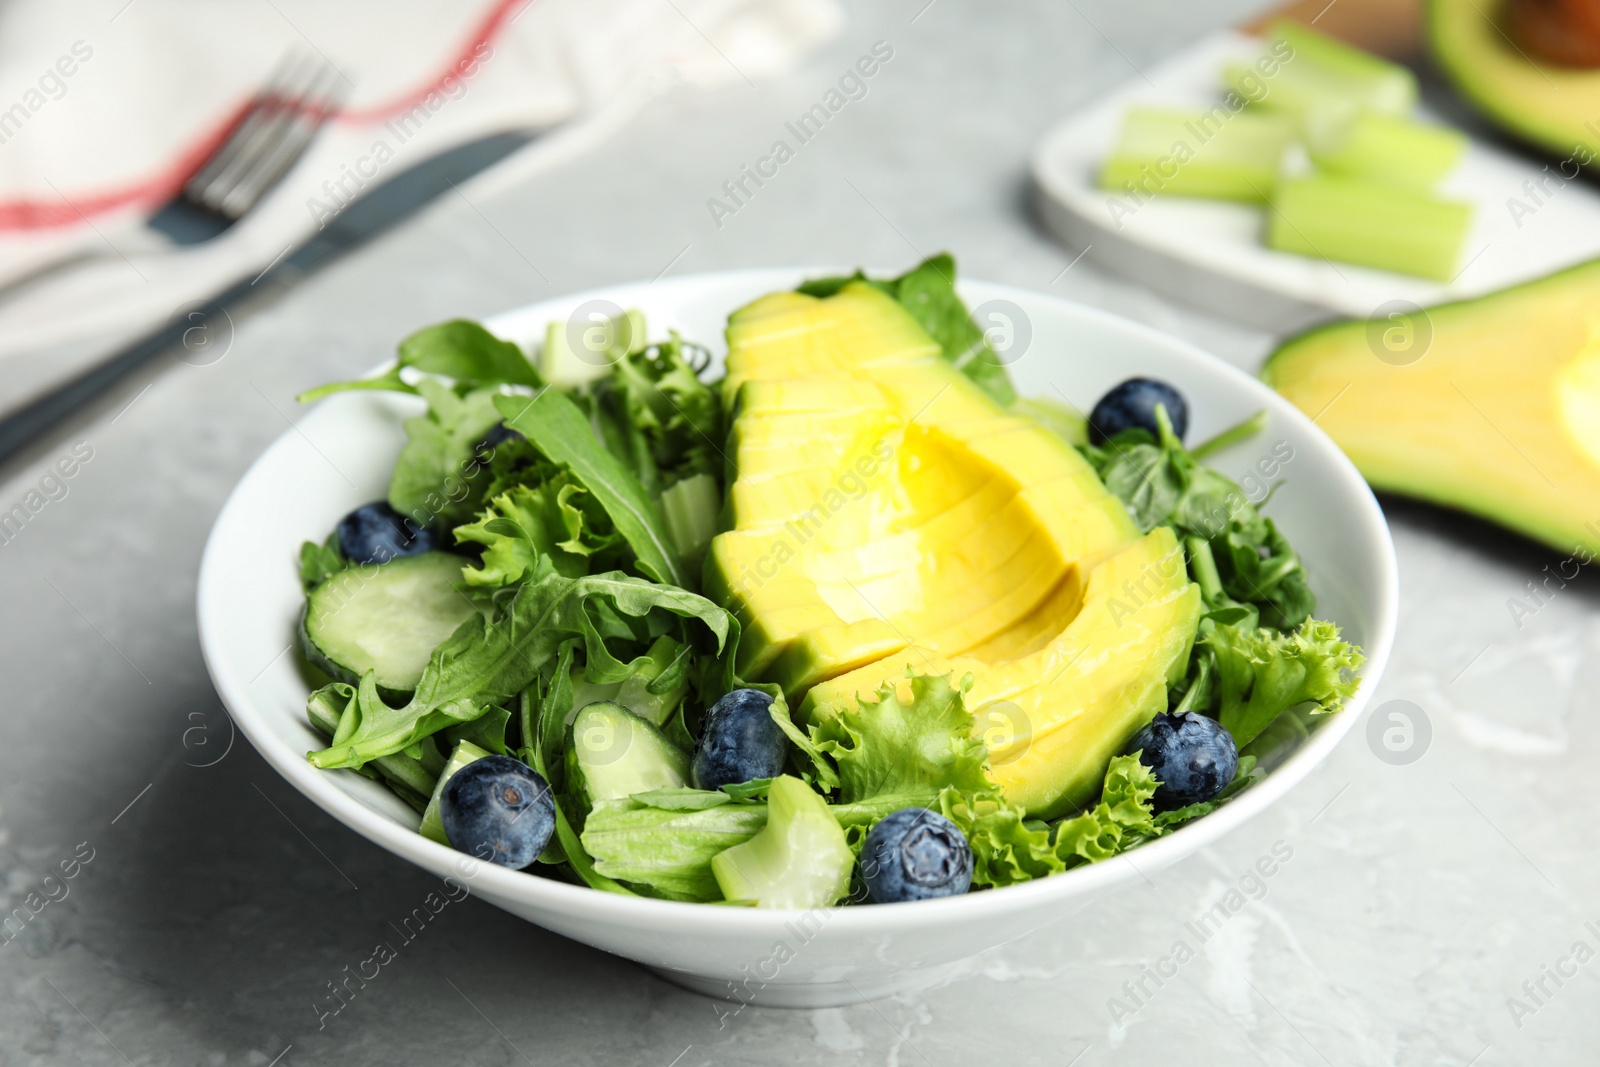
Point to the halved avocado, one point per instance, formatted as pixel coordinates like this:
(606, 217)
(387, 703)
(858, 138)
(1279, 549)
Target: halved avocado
(944, 534)
(1556, 108)
(1489, 405)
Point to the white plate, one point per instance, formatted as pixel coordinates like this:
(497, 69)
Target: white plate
(1210, 253)
(340, 455)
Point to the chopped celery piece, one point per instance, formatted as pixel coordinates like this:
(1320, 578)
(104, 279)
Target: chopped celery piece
(578, 352)
(1385, 148)
(432, 826)
(691, 508)
(1317, 75)
(1216, 153)
(798, 860)
(1369, 223)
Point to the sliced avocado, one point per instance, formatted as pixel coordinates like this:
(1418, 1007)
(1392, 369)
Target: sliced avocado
(1556, 108)
(1489, 405)
(800, 859)
(613, 753)
(923, 512)
(432, 826)
(1054, 700)
(975, 540)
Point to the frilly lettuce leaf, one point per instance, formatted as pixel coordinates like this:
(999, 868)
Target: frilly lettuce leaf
(1262, 673)
(1008, 848)
(915, 737)
(557, 519)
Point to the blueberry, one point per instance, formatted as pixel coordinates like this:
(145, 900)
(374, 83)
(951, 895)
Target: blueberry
(1133, 403)
(499, 810)
(497, 436)
(739, 742)
(1192, 756)
(377, 533)
(915, 854)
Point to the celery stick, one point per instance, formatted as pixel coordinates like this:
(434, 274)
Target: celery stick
(1388, 149)
(1312, 74)
(1218, 153)
(1370, 223)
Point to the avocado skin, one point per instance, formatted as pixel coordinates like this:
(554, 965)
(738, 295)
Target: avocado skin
(1550, 107)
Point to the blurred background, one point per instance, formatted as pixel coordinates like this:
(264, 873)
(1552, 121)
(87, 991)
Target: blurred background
(206, 209)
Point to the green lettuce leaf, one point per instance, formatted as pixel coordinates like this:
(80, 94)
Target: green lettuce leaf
(660, 418)
(663, 842)
(1008, 848)
(555, 425)
(1262, 673)
(557, 520)
(462, 351)
(915, 738)
(487, 662)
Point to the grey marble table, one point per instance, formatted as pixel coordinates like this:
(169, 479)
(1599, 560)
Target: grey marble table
(210, 905)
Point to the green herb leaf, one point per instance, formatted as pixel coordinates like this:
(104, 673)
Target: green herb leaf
(485, 662)
(555, 426)
(1262, 673)
(462, 351)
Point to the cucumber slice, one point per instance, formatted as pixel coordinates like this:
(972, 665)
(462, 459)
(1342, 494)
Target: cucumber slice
(799, 859)
(1369, 223)
(691, 508)
(388, 619)
(432, 825)
(613, 753)
(579, 352)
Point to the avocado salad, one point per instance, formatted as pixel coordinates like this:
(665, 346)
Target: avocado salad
(850, 623)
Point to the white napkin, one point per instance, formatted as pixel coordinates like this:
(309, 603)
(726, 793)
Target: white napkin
(105, 106)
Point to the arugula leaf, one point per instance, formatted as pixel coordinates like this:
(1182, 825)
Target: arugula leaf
(557, 520)
(487, 662)
(460, 350)
(928, 292)
(554, 425)
(437, 479)
(1262, 673)
(915, 738)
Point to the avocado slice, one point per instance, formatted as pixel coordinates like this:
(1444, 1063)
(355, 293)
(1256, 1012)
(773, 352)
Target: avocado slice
(921, 524)
(1489, 405)
(1555, 108)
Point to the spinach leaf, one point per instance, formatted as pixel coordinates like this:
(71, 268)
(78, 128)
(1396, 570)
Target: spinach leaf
(460, 350)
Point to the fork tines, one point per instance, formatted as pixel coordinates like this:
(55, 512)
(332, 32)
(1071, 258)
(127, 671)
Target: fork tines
(271, 135)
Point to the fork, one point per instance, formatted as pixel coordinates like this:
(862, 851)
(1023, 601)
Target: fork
(269, 137)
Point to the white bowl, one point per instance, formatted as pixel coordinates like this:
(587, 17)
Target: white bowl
(340, 455)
